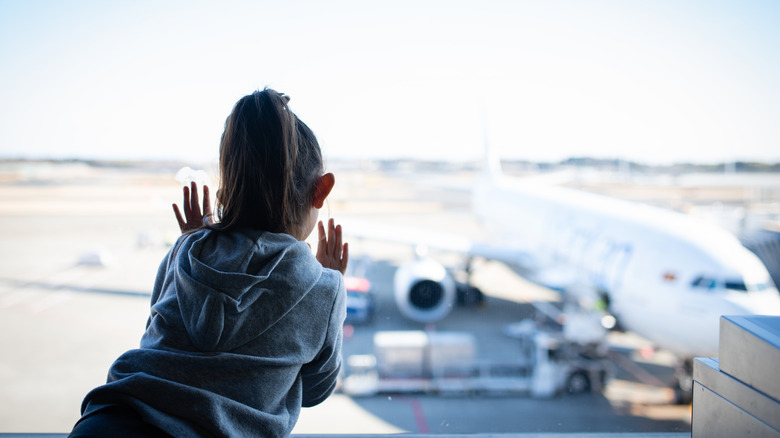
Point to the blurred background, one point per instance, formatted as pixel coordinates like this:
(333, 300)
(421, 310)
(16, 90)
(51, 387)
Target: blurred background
(108, 107)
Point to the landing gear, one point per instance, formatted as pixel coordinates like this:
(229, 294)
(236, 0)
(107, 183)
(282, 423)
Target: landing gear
(683, 382)
(468, 295)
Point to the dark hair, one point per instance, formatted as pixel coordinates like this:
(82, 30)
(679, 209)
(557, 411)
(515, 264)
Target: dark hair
(268, 161)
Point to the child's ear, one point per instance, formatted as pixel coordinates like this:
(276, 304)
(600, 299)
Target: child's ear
(325, 184)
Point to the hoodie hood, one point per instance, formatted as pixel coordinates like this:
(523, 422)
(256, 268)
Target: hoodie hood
(232, 286)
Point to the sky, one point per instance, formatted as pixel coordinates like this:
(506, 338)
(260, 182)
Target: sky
(649, 81)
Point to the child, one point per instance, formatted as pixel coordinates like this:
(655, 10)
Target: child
(245, 324)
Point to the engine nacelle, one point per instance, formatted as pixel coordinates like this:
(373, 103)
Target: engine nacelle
(424, 291)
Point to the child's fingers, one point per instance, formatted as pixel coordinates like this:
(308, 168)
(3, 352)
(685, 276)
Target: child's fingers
(194, 202)
(179, 218)
(206, 201)
(344, 259)
(331, 251)
(331, 235)
(321, 233)
(337, 244)
(186, 202)
(321, 241)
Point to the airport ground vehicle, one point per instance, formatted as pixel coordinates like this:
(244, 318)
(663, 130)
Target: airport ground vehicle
(445, 363)
(360, 300)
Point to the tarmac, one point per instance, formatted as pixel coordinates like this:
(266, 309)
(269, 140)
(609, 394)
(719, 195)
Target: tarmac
(65, 317)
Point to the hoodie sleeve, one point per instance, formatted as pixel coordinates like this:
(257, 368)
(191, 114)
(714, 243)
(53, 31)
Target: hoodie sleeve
(320, 375)
(159, 280)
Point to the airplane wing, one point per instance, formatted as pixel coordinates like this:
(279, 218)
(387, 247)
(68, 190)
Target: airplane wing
(405, 235)
(438, 240)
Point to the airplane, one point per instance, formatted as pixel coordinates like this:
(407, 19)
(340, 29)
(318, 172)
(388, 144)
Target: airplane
(663, 275)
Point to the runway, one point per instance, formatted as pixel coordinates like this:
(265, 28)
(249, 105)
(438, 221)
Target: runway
(63, 323)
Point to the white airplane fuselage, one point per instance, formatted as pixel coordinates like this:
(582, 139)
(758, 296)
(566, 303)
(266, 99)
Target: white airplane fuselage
(667, 276)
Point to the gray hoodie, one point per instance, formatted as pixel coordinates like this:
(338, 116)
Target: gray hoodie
(245, 328)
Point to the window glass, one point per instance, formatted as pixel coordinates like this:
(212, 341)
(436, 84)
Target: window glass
(737, 285)
(705, 283)
(104, 103)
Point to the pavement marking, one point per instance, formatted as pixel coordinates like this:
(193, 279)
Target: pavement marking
(419, 415)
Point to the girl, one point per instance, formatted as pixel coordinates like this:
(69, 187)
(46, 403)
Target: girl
(246, 324)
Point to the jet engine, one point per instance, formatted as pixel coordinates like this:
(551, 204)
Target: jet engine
(424, 291)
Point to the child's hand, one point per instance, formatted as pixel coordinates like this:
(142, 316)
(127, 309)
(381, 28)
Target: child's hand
(331, 253)
(194, 218)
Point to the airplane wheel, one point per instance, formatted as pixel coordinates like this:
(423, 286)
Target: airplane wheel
(468, 295)
(682, 397)
(683, 391)
(683, 383)
(578, 383)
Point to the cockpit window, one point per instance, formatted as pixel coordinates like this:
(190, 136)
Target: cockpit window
(737, 285)
(734, 284)
(761, 285)
(704, 282)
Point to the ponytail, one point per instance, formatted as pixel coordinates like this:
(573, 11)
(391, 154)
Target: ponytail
(269, 162)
